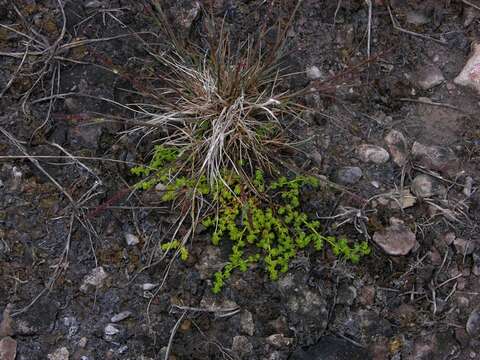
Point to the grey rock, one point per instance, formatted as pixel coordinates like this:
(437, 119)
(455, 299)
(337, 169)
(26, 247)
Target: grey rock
(425, 186)
(131, 239)
(279, 340)
(17, 178)
(8, 348)
(111, 330)
(476, 264)
(372, 153)
(313, 73)
(149, 286)
(73, 105)
(247, 325)
(94, 4)
(59, 354)
(72, 324)
(438, 158)
(331, 348)
(473, 323)
(398, 147)
(214, 303)
(120, 316)
(209, 262)
(397, 199)
(429, 76)
(470, 14)
(397, 239)
(349, 175)
(307, 309)
(346, 295)
(186, 12)
(242, 346)
(82, 342)
(96, 279)
(82, 137)
(467, 189)
(417, 18)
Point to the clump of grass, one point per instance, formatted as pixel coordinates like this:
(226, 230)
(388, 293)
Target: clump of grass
(221, 108)
(223, 115)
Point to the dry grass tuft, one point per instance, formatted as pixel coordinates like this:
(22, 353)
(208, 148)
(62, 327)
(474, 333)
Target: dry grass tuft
(221, 108)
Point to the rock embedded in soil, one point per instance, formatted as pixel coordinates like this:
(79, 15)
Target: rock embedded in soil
(59, 354)
(473, 323)
(96, 278)
(6, 323)
(349, 175)
(417, 18)
(372, 153)
(111, 330)
(241, 346)
(346, 295)
(398, 147)
(438, 158)
(131, 239)
(313, 73)
(476, 264)
(470, 14)
(186, 12)
(425, 186)
(467, 189)
(470, 74)
(8, 348)
(429, 76)
(394, 200)
(397, 239)
(120, 316)
(279, 340)
(247, 324)
(463, 246)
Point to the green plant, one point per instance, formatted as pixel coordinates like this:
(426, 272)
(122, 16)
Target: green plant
(271, 232)
(176, 245)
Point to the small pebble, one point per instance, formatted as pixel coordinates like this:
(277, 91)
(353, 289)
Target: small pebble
(120, 316)
(131, 239)
(349, 175)
(149, 286)
(473, 323)
(372, 153)
(111, 330)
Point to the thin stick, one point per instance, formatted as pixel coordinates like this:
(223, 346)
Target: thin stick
(429, 102)
(172, 335)
(369, 26)
(396, 26)
(470, 4)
